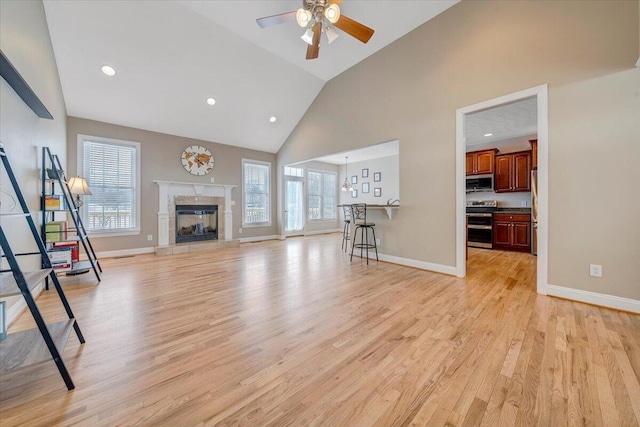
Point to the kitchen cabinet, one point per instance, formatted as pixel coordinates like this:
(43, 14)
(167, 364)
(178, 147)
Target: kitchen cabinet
(481, 162)
(512, 232)
(534, 153)
(513, 172)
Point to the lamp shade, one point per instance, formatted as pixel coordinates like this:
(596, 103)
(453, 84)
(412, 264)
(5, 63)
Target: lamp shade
(79, 185)
(332, 13)
(308, 36)
(303, 17)
(331, 34)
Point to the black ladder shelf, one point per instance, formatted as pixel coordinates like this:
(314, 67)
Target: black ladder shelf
(46, 342)
(53, 174)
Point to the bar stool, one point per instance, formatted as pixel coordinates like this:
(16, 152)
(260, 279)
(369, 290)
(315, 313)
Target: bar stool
(346, 235)
(359, 217)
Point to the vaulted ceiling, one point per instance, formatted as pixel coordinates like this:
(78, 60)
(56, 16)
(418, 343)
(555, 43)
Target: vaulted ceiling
(170, 56)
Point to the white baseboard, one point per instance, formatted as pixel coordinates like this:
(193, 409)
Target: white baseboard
(423, 265)
(312, 233)
(259, 238)
(14, 311)
(123, 252)
(604, 300)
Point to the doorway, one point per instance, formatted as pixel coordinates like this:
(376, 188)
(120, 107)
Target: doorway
(294, 201)
(540, 93)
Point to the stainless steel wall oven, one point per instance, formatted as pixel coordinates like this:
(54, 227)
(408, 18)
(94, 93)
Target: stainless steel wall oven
(480, 223)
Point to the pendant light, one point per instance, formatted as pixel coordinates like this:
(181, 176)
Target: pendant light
(346, 186)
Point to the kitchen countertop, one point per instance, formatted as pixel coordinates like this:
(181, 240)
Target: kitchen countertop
(525, 211)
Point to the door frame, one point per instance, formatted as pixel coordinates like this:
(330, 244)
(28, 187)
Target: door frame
(542, 96)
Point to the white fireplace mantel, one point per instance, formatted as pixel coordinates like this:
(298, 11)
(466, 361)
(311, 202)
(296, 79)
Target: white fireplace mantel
(168, 189)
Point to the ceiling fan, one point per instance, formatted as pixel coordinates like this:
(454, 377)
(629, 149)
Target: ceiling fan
(321, 14)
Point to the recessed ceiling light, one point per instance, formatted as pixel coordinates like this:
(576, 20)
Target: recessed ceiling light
(272, 119)
(109, 71)
(488, 134)
(211, 101)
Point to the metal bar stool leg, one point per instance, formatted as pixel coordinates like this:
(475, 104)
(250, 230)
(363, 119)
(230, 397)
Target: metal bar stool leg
(353, 243)
(375, 242)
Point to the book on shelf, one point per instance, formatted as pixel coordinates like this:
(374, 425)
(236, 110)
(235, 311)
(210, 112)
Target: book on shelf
(54, 202)
(56, 231)
(73, 246)
(60, 258)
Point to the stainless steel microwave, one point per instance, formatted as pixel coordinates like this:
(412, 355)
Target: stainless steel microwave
(476, 183)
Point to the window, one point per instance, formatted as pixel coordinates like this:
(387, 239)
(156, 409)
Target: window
(321, 193)
(291, 171)
(112, 170)
(256, 203)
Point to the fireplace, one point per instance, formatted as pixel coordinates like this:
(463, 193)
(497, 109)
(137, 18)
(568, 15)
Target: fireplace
(196, 223)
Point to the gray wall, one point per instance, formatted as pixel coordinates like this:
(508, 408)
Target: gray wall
(160, 159)
(24, 39)
(476, 51)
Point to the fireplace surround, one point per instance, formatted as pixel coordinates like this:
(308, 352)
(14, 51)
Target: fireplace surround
(171, 193)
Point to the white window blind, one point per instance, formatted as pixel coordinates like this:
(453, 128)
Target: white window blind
(111, 170)
(257, 193)
(321, 195)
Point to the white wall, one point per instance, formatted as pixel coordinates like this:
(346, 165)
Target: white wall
(390, 183)
(24, 39)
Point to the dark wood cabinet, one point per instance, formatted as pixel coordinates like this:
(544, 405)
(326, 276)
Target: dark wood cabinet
(512, 232)
(513, 172)
(481, 162)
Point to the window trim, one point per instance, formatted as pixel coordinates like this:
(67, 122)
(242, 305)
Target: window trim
(257, 224)
(321, 203)
(136, 230)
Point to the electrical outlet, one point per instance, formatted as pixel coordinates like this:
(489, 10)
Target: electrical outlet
(524, 203)
(240, 230)
(378, 242)
(595, 270)
(213, 180)
(149, 237)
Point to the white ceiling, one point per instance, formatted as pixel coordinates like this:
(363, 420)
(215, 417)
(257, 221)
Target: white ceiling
(170, 56)
(503, 122)
(377, 151)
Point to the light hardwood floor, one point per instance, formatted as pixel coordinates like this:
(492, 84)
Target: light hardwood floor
(292, 333)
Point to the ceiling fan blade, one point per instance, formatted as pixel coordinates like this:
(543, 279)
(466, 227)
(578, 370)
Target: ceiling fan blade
(354, 28)
(269, 21)
(314, 49)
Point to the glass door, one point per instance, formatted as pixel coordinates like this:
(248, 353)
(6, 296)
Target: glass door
(294, 205)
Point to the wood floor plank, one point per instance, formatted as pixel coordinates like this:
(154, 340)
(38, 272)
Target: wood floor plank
(291, 333)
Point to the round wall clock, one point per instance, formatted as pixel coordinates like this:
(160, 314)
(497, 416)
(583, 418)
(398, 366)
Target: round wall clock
(197, 160)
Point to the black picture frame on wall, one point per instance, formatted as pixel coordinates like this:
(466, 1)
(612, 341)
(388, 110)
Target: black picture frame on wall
(377, 192)
(377, 176)
(354, 194)
(365, 188)
(354, 179)
(365, 173)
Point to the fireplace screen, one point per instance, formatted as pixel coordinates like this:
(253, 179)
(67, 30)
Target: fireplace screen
(196, 223)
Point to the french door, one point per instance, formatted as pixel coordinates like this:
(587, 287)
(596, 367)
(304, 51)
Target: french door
(294, 205)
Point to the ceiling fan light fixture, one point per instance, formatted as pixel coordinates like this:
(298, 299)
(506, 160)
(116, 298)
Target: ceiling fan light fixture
(332, 13)
(331, 34)
(303, 17)
(308, 36)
